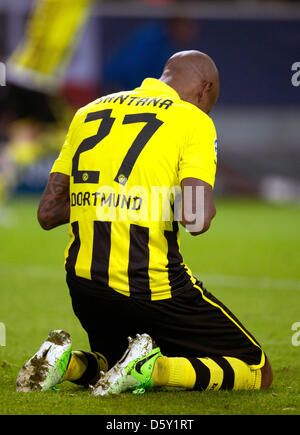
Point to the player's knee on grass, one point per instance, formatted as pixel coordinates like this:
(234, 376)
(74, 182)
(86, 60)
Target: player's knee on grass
(266, 375)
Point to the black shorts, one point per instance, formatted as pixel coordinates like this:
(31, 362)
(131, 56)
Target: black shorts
(191, 324)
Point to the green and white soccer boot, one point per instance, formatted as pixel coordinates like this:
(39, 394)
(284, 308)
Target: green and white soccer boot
(133, 371)
(48, 366)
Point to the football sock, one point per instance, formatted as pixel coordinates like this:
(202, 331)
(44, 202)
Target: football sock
(214, 373)
(84, 367)
(161, 371)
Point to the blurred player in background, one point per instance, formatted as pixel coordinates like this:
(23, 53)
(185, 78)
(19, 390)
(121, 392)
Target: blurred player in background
(126, 275)
(33, 113)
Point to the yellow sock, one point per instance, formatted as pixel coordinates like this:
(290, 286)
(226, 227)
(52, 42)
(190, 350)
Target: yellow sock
(77, 366)
(256, 379)
(161, 371)
(173, 372)
(102, 361)
(79, 363)
(205, 373)
(182, 373)
(244, 377)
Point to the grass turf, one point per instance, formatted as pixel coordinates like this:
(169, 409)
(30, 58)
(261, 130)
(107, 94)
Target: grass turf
(249, 260)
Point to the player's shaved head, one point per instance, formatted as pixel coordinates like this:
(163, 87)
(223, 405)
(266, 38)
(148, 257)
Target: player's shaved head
(195, 77)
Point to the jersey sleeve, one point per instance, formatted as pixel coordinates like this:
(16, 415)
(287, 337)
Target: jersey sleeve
(63, 163)
(198, 157)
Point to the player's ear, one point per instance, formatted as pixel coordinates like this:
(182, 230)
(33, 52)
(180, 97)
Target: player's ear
(202, 91)
(200, 96)
(206, 90)
(208, 86)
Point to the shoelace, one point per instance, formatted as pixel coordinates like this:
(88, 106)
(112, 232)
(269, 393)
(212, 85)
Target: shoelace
(54, 388)
(140, 389)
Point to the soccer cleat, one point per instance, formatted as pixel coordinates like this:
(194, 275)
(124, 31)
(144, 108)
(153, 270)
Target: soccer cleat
(133, 371)
(48, 366)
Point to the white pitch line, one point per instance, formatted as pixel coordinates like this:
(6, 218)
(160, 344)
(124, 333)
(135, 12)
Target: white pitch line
(209, 280)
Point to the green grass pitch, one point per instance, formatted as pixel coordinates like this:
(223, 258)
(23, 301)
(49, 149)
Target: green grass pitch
(250, 260)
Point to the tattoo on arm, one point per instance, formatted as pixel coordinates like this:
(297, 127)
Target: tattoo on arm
(54, 207)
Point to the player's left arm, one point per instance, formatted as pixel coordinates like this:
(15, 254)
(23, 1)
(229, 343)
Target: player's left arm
(198, 207)
(197, 170)
(54, 206)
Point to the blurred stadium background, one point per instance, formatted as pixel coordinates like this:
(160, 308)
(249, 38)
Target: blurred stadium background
(60, 54)
(57, 55)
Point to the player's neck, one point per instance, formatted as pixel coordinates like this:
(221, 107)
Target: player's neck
(184, 94)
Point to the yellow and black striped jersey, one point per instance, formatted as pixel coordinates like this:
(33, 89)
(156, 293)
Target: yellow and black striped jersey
(126, 155)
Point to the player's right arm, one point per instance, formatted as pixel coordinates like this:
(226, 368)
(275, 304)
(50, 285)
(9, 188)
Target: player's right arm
(197, 169)
(54, 207)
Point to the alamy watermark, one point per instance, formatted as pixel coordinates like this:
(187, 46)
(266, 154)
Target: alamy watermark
(2, 334)
(296, 74)
(161, 204)
(296, 335)
(2, 74)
